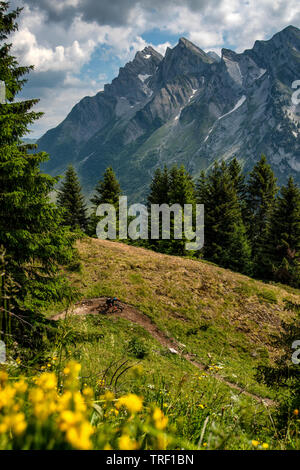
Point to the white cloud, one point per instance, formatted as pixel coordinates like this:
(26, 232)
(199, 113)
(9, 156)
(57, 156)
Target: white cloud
(47, 58)
(161, 48)
(60, 36)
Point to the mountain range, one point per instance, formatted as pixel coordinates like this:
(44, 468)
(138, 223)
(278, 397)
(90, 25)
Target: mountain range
(188, 107)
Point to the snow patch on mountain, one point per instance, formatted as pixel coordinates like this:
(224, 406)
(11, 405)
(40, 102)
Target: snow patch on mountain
(261, 73)
(238, 105)
(143, 77)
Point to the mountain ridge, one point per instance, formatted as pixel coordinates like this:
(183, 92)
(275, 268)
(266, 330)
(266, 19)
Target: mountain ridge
(186, 107)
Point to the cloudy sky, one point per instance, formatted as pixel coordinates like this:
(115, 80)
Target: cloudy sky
(77, 46)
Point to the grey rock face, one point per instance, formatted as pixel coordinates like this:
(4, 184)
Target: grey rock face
(186, 107)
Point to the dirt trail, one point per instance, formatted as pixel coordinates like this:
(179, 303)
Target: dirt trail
(97, 307)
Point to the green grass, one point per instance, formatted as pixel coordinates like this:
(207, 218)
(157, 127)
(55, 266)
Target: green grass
(167, 379)
(223, 319)
(180, 295)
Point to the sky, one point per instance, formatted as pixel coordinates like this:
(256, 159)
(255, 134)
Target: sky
(76, 46)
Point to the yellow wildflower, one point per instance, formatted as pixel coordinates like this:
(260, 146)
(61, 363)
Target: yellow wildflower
(3, 377)
(88, 393)
(15, 422)
(108, 396)
(265, 445)
(47, 381)
(160, 419)
(79, 436)
(255, 443)
(132, 402)
(21, 386)
(78, 402)
(36, 395)
(296, 412)
(125, 443)
(7, 396)
(68, 419)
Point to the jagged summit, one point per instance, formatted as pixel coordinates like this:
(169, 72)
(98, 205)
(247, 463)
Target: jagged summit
(213, 55)
(184, 43)
(187, 107)
(228, 54)
(147, 53)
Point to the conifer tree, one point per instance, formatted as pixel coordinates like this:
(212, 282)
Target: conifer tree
(181, 187)
(107, 191)
(71, 200)
(225, 237)
(201, 188)
(261, 192)
(30, 230)
(159, 187)
(281, 256)
(181, 191)
(159, 194)
(235, 171)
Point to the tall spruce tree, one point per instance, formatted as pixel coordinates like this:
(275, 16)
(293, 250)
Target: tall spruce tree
(201, 188)
(261, 192)
(158, 194)
(225, 236)
(159, 187)
(30, 230)
(281, 254)
(71, 200)
(236, 173)
(107, 191)
(181, 191)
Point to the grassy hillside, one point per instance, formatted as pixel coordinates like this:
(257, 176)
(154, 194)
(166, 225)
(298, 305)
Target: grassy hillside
(204, 395)
(217, 315)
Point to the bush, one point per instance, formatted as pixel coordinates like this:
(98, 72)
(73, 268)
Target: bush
(137, 348)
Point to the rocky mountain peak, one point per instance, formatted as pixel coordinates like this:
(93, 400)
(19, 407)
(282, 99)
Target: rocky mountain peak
(187, 107)
(130, 83)
(148, 53)
(185, 58)
(213, 55)
(228, 54)
(185, 45)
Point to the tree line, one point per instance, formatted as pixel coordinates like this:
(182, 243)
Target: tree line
(251, 225)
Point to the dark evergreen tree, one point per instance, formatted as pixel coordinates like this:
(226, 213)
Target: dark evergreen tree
(181, 187)
(201, 188)
(159, 194)
(30, 230)
(236, 173)
(261, 192)
(159, 187)
(281, 255)
(71, 200)
(225, 237)
(107, 191)
(181, 191)
(174, 186)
